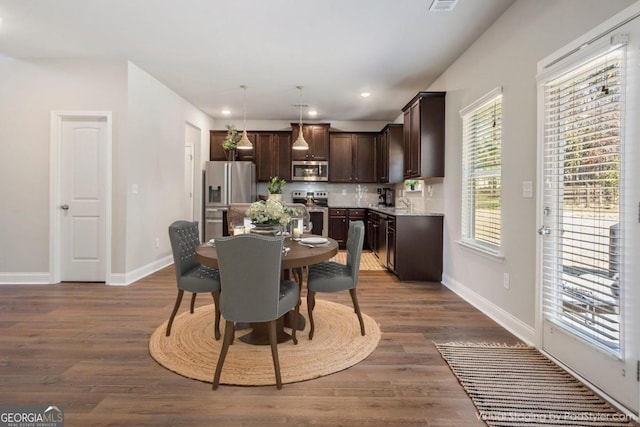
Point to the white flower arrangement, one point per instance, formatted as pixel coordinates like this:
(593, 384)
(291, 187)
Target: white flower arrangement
(270, 212)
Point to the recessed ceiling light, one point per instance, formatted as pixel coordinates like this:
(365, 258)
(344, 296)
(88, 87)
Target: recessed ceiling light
(365, 94)
(226, 112)
(313, 113)
(442, 5)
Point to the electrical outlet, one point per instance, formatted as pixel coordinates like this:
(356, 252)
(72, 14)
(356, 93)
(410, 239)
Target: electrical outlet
(505, 281)
(134, 188)
(157, 242)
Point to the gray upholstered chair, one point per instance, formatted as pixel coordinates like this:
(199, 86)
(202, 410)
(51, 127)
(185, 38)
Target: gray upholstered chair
(191, 276)
(333, 277)
(250, 267)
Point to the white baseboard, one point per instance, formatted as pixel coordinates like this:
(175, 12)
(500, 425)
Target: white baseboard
(128, 278)
(505, 319)
(24, 278)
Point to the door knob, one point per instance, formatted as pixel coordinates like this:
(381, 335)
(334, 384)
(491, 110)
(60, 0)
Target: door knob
(64, 207)
(544, 231)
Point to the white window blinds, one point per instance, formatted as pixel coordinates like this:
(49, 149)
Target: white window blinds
(582, 173)
(481, 166)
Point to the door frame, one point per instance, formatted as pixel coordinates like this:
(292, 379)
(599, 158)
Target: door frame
(577, 48)
(55, 147)
(193, 179)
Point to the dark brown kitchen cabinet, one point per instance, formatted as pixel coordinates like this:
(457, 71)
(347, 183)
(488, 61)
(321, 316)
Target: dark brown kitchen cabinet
(216, 152)
(338, 226)
(339, 219)
(317, 136)
(373, 223)
(353, 157)
(423, 134)
(391, 244)
(390, 159)
(415, 248)
(273, 155)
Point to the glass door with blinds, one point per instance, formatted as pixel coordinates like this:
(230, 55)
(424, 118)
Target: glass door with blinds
(589, 230)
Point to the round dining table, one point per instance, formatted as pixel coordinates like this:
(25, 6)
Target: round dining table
(298, 256)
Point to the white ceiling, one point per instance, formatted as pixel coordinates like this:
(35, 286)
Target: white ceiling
(206, 49)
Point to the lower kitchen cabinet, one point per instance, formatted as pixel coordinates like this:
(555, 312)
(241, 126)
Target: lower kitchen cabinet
(416, 242)
(339, 219)
(373, 224)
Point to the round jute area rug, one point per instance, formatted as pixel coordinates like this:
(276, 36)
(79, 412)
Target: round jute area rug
(192, 351)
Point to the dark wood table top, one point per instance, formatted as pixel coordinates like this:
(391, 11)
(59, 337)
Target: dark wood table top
(299, 256)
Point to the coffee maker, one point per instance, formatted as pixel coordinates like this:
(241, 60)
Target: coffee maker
(385, 196)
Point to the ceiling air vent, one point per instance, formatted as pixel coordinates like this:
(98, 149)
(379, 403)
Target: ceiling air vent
(442, 5)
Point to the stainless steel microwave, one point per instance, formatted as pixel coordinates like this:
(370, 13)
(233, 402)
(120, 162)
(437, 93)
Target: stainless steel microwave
(309, 171)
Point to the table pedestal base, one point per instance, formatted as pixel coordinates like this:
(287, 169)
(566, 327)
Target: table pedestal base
(259, 334)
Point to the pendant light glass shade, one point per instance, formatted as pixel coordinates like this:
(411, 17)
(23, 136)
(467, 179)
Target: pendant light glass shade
(300, 143)
(244, 143)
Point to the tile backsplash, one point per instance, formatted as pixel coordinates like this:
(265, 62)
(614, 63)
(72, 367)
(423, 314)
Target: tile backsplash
(429, 197)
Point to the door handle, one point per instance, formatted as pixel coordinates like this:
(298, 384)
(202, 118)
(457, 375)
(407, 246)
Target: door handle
(64, 207)
(544, 231)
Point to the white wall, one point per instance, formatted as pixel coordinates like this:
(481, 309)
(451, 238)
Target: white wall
(148, 149)
(155, 153)
(29, 91)
(506, 55)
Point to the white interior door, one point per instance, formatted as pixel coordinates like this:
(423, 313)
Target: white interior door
(83, 151)
(590, 232)
(188, 181)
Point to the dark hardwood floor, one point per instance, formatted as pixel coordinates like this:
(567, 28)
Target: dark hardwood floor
(84, 347)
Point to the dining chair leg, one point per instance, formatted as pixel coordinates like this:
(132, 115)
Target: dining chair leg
(193, 302)
(228, 337)
(293, 330)
(311, 303)
(175, 310)
(273, 340)
(216, 303)
(356, 307)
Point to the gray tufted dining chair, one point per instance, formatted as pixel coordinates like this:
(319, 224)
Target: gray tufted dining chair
(333, 277)
(250, 267)
(192, 276)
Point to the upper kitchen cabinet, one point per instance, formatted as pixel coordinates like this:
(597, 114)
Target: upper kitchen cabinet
(423, 131)
(273, 155)
(317, 136)
(390, 154)
(216, 152)
(353, 157)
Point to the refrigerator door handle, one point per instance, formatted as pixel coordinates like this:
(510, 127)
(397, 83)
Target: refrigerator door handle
(225, 184)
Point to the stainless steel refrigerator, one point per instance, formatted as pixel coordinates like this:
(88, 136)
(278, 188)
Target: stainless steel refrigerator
(225, 183)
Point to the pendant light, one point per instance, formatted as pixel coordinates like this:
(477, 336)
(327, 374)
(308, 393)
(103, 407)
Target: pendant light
(300, 143)
(244, 143)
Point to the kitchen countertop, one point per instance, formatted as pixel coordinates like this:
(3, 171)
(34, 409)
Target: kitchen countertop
(393, 210)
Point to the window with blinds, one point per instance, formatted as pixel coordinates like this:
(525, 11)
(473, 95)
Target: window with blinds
(582, 199)
(481, 166)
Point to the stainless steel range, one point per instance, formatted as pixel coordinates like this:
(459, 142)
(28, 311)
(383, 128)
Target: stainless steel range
(317, 203)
